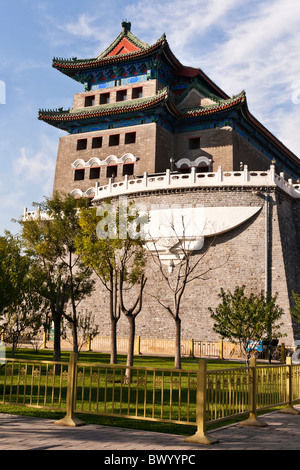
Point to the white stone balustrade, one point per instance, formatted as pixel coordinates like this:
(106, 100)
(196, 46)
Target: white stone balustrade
(220, 178)
(187, 180)
(34, 215)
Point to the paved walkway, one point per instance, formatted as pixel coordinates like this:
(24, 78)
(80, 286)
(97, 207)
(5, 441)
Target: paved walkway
(27, 433)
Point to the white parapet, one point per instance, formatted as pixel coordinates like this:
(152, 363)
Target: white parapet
(220, 178)
(34, 215)
(169, 180)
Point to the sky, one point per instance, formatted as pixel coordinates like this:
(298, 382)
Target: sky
(250, 45)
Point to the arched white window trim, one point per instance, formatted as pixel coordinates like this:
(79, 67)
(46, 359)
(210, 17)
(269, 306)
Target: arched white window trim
(128, 156)
(108, 161)
(76, 193)
(78, 163)
(200, 161)
(94, 161)
(90, 192)
(111, 158)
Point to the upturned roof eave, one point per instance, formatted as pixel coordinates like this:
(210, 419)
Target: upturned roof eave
(224, 105)
(102, 111)
(135, 105)
(71, 66)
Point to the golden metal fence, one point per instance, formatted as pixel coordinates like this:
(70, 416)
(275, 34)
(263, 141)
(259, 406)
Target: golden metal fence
(227, 393)
(40, 384)
(154, 346)
(193, 397)
(137, 392)
(272, 385)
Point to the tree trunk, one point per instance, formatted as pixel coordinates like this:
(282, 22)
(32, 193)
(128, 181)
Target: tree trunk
(14, 344)
(74, 336)
(56, 346)
(114, 316)
(177, 359)
(130, 353)
(113, 340)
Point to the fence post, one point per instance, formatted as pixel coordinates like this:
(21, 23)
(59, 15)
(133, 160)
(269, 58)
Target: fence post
(191, 348)
(221, 349)
(70, 419)
(289, 389)
(201, 436)
(253, 420)
(138, 345)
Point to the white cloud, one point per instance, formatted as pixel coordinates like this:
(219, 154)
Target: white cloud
(285, 125)
(87, 27)
(83, 27)
(251, 45)
(11, 204)
(261, 56)
(80, 32)
(38, 167)
(261, 52)
(183, 22)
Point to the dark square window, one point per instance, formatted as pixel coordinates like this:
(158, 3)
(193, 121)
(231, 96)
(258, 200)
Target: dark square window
(104, 98)
(128, 169)
(130, 138)
(94, 173)
(96, 142)
(137, 93)
(114, 140)
(194, 143)
(79, 174)
(81, 144)
(111, 171)
(121, 95)
(89, 100)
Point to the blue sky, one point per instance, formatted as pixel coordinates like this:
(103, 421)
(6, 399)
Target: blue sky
(240, 44)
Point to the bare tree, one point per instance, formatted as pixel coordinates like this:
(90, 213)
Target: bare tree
(131, 313)
(177, 276)
(87, 329)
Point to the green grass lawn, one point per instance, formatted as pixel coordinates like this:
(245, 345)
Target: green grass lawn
(139, 361)
(160, 362)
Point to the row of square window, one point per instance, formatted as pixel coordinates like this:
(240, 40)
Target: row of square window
(113, 140)
(111, 172)
(130, 138)
(121, 95)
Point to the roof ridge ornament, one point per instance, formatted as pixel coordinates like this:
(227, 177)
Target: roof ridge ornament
(126, 25)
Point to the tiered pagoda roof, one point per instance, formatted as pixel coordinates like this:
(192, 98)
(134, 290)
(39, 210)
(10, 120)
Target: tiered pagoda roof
(60, 118)
(127, 48)
(127, 52)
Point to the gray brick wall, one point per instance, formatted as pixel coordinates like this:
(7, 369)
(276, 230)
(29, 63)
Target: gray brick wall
(238, 256)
